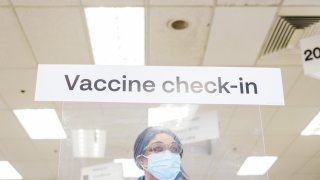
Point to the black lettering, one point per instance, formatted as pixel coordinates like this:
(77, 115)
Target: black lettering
(241, 85)
(179, 83)
(309, 57)
(86, 85)
(96, 85)
(207, 89)
(124, 83)
(138, 85)
(164, 86)
(222, 86)
(110, 85)
(71, 87)
(148, 84)
(196, 86)
(254, 86)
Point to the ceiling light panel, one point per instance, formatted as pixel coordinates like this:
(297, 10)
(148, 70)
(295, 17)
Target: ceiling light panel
(234, 31)
(248, 2)
(14, 45)
(57, 35)
(168, 46)
(117, 35)
(7, 171)
(313, 128)
(256, 165)
(40, 123)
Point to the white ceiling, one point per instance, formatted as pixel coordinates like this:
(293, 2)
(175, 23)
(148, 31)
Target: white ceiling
(220, 33)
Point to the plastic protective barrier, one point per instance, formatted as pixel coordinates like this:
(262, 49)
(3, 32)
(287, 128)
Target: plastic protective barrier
(216, 139)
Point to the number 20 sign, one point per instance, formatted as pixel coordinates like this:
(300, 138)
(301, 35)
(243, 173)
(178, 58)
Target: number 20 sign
(310, 54)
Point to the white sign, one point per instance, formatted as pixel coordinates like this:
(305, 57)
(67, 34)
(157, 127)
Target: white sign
(159, 84)
(102, 172)
(310, 54)
(203, 126)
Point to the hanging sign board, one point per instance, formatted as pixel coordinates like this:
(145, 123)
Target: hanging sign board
(159, 84)
(102, 172)
(203, 126)
(310, 54)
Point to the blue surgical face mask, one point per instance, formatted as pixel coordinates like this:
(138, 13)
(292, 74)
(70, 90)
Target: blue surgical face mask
(164, 166)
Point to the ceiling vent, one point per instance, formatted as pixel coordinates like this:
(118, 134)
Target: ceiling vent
(288, 31)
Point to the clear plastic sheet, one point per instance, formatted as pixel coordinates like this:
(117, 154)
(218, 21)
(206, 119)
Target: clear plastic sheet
(216, 138)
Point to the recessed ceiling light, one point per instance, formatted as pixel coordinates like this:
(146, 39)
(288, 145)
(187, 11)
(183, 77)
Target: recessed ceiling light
(117, 35)
(130, 169)
(313, 127)
(179, 24)
(256, 165)
(40, 123)
(7, 171)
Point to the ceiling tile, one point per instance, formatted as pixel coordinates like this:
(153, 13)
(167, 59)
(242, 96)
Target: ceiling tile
(57, 35)
(181, 2)
(14, 49)
(275, 145)
(2, 104)
(167, 46)
(267, 113)
(312, 167)
(278, 176)
(301, 2)
(287, 165)
(305, 177)
(289, 77)
(299, 11)
(290, 120)
(48, 149)
(245, 121)
(2, 158)
(283, 57)
(237, 34)
(4, 3)
(305, 92)
(54, 167)
(304, 146)
(197, 165)
(19, 150)
(10, 128)
(13, 81)
(126, 3)
(34, 169)
(45, 2)
(248, 2)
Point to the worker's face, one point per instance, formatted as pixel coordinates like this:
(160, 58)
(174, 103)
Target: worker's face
(156, 145)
